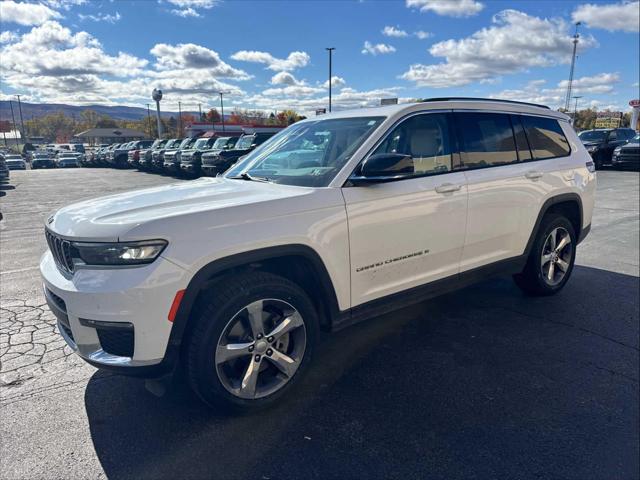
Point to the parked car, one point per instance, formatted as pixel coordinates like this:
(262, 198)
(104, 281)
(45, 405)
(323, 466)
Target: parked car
(191, 159)
(146, 155)
(217, 162)
(42, 160)
(172, 155)
(5, 175)
(15, 162)
(600, 143)
(627, 155)
(157, 156)
(118, 157)
(133, 156)
(335, 220)
(68, 161)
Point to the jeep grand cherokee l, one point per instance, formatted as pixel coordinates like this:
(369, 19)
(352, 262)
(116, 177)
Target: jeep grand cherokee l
(335, 219)
(191, 158)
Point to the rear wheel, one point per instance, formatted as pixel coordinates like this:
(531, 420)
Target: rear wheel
(252, 340)
(552, 257)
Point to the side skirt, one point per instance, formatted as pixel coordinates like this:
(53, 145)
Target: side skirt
(390, 303)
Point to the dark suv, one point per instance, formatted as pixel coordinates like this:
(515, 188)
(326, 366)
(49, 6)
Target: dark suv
(146, 155)
(157, 156)
(216, 162)
(191, 159)
(627, 155)
(172, 156)
(601, 143)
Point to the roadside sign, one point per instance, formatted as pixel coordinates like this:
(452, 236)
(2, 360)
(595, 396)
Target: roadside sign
(321, 111)
(634, 103)
(608, 119)
(389, 101)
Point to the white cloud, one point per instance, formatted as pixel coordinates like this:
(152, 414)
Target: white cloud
(450, 8)
(196, 57)
(514, 43)
(637, 84)
(101, 17)
(293, 61)
(8, 36)
(390, 31)
(26, 13)
(186, 12)
(623, 16)
(285, 78)
(64, 4)
(335, 82)
(421, 34)
(536, 92)
(377, 49)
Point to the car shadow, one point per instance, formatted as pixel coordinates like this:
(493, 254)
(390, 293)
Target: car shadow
(481, 383)
(7, 187)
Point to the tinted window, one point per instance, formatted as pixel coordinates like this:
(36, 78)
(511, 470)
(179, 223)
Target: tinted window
(426, 139)
(613, 136)
(522, 145)
(487, 139)
(546, 137)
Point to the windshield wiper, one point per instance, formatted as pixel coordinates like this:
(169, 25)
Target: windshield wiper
(251, 178)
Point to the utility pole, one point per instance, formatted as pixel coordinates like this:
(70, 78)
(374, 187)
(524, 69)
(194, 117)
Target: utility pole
(330, 50)
(13, 120)
(23, 133)
(200, 110)
(222, 110)
(567, 103)
(575, 108)
(149, 120)
(179, 119)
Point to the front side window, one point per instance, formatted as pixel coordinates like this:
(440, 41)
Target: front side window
(546, 137)
(309, 153)
(426, 139)
(487, 140)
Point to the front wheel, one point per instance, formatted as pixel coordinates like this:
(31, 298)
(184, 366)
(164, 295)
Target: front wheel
(251, 341)
(552, 257)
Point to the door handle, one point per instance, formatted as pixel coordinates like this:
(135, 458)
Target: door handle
(533, 175)
(448, 188)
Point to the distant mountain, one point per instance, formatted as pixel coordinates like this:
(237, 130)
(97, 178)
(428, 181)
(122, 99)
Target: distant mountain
(36, 110)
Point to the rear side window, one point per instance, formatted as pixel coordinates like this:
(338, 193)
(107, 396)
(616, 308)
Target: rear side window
(521, 139)
(546, 137)
(487, 139)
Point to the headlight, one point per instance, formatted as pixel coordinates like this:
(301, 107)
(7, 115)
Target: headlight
(592, 148)
(131, 253)
(617, 150)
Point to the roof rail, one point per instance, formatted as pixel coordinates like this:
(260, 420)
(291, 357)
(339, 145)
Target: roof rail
(444, 99)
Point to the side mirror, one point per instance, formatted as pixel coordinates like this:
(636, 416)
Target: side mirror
(384, 167)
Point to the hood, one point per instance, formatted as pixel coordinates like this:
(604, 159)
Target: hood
(113, 217)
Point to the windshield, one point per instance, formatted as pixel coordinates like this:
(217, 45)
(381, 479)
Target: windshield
(185, 143)
(635, 139)
(309, 153)
(244, 143)
(156, 143)
(200, 143)
(592, 135)
(220, 143)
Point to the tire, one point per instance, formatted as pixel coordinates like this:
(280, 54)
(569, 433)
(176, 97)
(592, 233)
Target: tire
(223, 313)
(537, 278)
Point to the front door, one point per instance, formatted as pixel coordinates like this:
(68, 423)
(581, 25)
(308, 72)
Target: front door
(408, 232)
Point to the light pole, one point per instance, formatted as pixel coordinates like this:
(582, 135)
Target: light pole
(179, 119)
(330, 50)
(149, 120)
(23, 133)
(157, 96)
(567, 102)
(221, 109)
(575, 109)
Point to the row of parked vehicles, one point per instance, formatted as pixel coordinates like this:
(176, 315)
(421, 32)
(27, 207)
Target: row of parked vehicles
(206, 154)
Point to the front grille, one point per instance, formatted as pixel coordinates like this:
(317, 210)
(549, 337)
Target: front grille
(61, 250)
(630, 151)
(116, 341)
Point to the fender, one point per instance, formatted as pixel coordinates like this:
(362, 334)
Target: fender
(565, 197)
(237, 260)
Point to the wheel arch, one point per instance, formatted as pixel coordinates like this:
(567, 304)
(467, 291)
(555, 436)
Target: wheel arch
(297, 262)
(567, 204)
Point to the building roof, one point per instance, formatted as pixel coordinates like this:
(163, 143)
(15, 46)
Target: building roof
(110, 133)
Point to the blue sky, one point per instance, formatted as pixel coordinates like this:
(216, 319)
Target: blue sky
(270, 54)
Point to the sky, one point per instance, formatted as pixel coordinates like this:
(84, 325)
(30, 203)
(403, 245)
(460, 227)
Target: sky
(270, 55)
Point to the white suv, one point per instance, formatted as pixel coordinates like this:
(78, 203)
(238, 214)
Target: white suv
(336, 219)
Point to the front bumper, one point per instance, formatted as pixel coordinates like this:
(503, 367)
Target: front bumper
(625, 159)
(94, 304)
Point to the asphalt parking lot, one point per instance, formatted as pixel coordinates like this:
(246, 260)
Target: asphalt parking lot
(482, 383)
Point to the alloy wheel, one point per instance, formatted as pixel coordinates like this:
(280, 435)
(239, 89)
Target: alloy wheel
(556, 257)
(260, 349)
